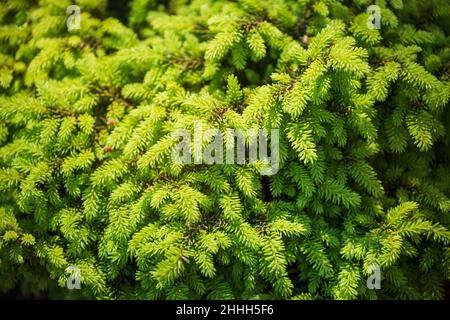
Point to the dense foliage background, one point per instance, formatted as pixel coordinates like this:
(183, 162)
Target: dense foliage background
(86, 177)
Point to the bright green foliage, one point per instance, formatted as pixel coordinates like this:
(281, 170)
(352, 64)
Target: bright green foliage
(86, 123)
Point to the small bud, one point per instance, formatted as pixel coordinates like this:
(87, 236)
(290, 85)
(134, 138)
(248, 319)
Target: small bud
(305, 38)
(20, 66)
(74, 41)
(107, 149)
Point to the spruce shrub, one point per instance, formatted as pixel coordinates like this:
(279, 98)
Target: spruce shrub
(87, 118)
